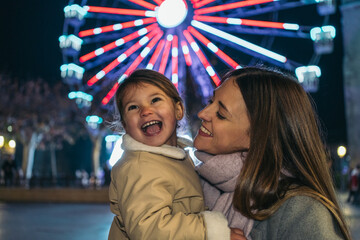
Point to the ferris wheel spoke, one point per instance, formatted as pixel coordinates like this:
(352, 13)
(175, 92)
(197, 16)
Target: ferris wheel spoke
(261, 9)
(212, 47)
(174, 61)
(122, 57)
(132, 67)
(117, 43)
(166, 53)
(158, 2)
(116, 27)
(156, 55)
(247, 22)
(144, 4)
(202, 3)
(186, 53)
(110, 94)
(240, 42)
(143, 54)
(230, 6)
(120, 11)
(202, 58)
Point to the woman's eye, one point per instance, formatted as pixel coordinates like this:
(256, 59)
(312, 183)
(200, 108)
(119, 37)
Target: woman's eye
(221, 117)
(155, 100)
(132, 107)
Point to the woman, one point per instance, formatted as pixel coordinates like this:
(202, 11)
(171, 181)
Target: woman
(284, 184)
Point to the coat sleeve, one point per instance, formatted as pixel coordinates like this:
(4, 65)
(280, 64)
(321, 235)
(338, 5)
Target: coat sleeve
(145, 195)
(306, 218)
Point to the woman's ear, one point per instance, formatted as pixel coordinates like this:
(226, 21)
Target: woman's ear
(179, 110)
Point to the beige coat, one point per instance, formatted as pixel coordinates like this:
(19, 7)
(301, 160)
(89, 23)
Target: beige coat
(156, 194)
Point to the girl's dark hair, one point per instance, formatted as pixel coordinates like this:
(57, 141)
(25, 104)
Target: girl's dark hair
(142, 76)
(287, 156)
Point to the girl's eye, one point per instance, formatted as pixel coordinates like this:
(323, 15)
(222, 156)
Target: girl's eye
(155, 100)
(132, 107)
(219, 116)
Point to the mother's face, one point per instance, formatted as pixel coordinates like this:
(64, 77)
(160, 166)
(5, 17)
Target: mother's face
(225, 123)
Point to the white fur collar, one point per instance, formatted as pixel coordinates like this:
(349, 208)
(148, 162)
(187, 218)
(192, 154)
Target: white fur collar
(166, 150)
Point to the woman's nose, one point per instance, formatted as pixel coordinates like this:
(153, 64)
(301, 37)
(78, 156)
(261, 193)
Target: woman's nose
(204, 114)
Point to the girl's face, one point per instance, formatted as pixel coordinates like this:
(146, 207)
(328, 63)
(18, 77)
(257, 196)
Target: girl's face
(225, 123)
(150, 116)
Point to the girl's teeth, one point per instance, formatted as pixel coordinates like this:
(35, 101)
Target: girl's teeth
(205, 131)
(149, 123)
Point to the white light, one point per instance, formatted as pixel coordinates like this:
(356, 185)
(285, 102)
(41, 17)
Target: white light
(174, 78)
(97, 30)
(143, 40)
(150, 66)
(99, 51)
(100, 74)
(142, 31)
(12, 144)
(185, 49)
(239, 41)
(117, 152)
(145, 52)
(138, 22)
(171, 13)
(117, 26)
(2, 141)
(235, 21)
(150, 13)
(122, 57)
(212, 47)
(122, 78)
(174, 52)
(169, 37)
(194, 46)
(291, 26)
(210, 71)
(119, 42)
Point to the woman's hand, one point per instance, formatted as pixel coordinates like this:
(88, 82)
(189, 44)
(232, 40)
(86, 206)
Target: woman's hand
(237, 234)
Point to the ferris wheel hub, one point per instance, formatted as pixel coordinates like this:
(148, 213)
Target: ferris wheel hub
(171, 13)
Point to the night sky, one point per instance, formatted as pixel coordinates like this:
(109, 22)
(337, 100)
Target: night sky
(29, 48)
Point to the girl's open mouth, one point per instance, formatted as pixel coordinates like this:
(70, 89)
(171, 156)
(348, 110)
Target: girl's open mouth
(152, 128)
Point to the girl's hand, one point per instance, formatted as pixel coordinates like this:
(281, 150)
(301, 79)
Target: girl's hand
(237, 234)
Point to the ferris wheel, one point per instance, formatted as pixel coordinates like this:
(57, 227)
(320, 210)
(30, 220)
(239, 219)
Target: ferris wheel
(104, 41)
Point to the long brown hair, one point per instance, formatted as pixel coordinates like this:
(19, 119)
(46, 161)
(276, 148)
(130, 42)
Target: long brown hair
(287, 156)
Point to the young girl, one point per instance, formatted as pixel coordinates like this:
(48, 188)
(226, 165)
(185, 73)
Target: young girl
(154, 191)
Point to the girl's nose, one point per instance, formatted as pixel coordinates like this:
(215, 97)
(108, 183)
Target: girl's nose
(145, 111)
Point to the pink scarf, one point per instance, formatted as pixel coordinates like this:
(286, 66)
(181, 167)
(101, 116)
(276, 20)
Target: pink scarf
(219, 175)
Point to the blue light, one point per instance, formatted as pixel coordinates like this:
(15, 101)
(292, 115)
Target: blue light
(94, 119)
(112, 138)
(80, 95)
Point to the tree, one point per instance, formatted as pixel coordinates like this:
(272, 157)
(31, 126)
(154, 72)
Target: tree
(41, 117)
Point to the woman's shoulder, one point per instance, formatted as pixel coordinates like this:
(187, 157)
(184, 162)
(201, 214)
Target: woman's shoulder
(300, 217)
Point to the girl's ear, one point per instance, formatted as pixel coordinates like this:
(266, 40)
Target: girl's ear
(179, 110)
(123, 123)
